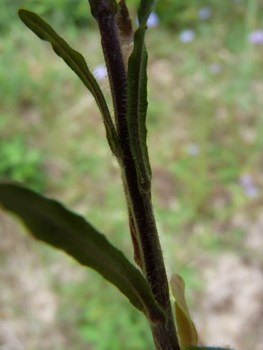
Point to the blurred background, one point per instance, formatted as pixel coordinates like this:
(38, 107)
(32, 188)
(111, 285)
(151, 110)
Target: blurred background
(205, 137)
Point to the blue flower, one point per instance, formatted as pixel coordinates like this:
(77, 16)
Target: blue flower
(204, 13)
(251, 191)
(153, 20)
(100, 72)
(187, 35)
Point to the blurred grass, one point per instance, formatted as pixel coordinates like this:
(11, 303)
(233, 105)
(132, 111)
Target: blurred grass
(205, 132)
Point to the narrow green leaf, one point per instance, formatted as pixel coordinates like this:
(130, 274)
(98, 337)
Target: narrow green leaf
(145, 8)
(137, 103)
(78, 64)
(50, 222)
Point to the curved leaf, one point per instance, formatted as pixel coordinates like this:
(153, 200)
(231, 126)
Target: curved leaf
(78, 64)
(145, 8)
(50, 222)
(185, 327)
(137, 108)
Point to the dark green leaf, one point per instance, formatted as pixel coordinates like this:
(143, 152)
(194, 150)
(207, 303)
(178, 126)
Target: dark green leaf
(137, 108)
(78, 64)
(50, 222)
(145, 8)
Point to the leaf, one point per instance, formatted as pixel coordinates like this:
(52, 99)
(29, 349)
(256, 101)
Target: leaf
(50, 222)
(78, 64)
(137, 108)
(193, 347)
(145, 8)
(185, 327)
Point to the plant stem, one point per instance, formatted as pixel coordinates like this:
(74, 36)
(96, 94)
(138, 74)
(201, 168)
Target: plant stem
(116, 70)
(152, 259)
(140, 207)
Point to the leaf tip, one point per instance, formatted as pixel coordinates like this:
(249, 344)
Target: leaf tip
(21, 13)
(186, 329)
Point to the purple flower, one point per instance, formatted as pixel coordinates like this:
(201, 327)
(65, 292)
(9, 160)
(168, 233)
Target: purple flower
(152, 20)
(204, 13)
(246, 180)
(251, 191)
(100, 72)
(187, 35)
(247, 183)
(256, 37)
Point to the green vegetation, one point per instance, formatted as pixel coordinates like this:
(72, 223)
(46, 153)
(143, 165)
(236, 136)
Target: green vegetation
(20, 163)
(205, 132)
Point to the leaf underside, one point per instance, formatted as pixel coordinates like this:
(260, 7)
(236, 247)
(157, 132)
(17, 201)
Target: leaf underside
(48, 221)
(185, 327)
